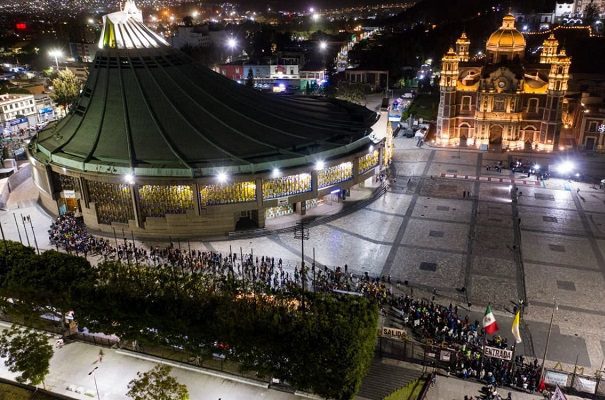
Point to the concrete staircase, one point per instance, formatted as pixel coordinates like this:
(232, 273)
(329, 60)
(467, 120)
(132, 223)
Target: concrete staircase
(384, 378)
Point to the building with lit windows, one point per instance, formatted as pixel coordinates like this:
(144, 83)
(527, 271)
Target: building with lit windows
(17, 110)
(503, 101)
(161, 146)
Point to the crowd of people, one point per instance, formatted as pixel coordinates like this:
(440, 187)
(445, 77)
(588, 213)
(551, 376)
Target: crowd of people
(425, 318)
(466, 339)
(69, 233)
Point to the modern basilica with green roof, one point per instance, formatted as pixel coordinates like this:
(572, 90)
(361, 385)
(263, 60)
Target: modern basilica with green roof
(161, 146)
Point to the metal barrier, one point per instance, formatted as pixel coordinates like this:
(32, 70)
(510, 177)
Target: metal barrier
(576, 383)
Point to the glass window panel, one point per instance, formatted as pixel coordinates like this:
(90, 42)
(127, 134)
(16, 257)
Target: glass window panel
(286, 186)
(64, 182)
(335, 174)
(112, 201)
(157, 201)
(229, 193)
(368, 161)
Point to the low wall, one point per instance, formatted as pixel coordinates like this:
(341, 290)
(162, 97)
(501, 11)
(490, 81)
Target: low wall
(7, 185)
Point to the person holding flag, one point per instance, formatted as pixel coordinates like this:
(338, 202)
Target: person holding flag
(490, 326)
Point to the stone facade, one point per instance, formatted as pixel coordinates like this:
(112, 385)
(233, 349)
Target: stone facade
(500, 100)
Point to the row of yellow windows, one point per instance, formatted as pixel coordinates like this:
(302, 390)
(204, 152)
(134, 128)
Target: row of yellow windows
(157, 201)
(286, 186)
(238, 192)
(332, 175)
(112, 201)
(368, 161)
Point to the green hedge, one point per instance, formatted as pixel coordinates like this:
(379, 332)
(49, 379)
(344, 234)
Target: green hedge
(325, 348)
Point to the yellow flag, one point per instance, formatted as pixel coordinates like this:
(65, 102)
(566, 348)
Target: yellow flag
(515, 329)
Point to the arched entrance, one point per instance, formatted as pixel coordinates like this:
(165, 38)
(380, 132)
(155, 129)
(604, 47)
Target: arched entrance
(463, 133)
(495, 135)
(528, 145)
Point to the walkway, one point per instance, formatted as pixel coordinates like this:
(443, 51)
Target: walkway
(71, 364)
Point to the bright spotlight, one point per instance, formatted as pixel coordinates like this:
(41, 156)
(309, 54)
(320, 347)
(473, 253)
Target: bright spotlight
(222, 177)
(371, 148)
(566, 167)
(129, 179)
(323, 45)
(319, 165)
(275, 172)
(231, 43)
(315, 17)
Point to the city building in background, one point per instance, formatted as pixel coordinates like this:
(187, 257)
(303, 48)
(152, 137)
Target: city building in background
(504, 102)
(17, 112)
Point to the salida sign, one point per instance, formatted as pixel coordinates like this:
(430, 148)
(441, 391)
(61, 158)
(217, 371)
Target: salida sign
(394, 332)
(495, 352)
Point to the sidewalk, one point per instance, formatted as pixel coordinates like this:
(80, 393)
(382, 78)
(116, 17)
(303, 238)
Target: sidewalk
(70, 365)
(455, 389)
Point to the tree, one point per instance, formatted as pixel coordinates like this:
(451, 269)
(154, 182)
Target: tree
(66, 88)
(250, 78)
(26, 351)
(49, 281)
(157, 384)
(353, 92)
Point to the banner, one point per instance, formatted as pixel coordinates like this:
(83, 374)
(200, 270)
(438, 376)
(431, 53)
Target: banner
(585, 385)
(555, 378)
(495, 352)
(18, 121)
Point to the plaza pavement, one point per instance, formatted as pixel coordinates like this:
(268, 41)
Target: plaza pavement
(426, 232)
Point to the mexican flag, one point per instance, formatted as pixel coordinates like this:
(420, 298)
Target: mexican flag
(490, 326)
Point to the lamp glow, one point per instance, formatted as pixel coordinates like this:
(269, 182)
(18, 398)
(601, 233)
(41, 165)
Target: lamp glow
(222, 177)
(319, 165)
(129, 179)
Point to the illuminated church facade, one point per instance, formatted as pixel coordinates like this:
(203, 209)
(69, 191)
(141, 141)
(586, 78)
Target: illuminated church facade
(502, 101)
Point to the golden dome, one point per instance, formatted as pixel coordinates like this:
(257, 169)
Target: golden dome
(507, 40)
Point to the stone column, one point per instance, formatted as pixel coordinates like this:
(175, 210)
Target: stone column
(136, 205)
(197, 199)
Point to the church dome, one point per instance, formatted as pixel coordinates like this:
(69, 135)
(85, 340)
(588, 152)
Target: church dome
(507, 40)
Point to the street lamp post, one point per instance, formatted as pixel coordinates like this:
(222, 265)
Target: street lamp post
(301, 232)
(555, 307)
(33, 233)
(18, 231)
(232, 44)
(56, 53)
(323, 46)
(95, 379)
(25, 229)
